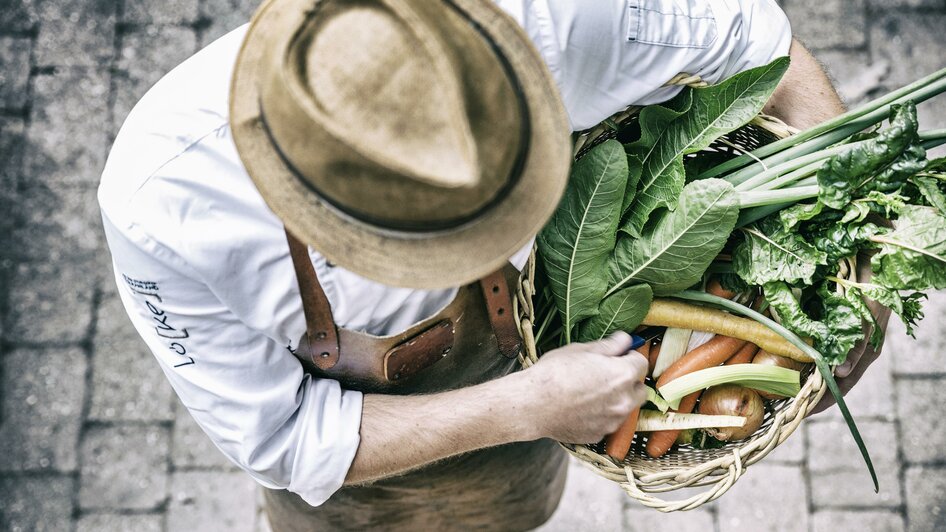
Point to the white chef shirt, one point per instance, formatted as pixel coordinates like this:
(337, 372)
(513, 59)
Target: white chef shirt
(203, 267)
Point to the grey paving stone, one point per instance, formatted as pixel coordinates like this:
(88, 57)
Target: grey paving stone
(67, 133)
(57, 224)
(124, 467)
(645, 519)
(49, 303)
(192, 447)
(589, 503)
(14, 71)
(922, 425)
(829, 23)
(905, 39)
(926, 506)
(12, 132)
(212, 501)
(18, 15)
(924, 354)
(36, 503)
(161, 12)
(147, 54)
(872, 397)
(778, 500)
(76, 33)
(898, 4)
(42, 396)
(127, 383)
(120, 523)
(791, 451)
(863, 521)
(225, 15)
(839, 477)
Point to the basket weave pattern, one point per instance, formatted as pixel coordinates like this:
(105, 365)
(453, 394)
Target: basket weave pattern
(716, 470)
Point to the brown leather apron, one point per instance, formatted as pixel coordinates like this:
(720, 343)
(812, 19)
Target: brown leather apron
(511, 487)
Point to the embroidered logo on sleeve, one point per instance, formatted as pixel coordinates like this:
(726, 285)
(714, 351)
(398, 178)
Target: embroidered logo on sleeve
(173, 337)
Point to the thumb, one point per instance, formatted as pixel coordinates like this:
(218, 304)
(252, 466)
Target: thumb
(617, 344)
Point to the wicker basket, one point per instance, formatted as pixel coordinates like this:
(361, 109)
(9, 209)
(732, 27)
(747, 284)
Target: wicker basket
(713, 470)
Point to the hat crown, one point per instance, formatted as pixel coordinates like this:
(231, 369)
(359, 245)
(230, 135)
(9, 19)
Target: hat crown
(397, 113)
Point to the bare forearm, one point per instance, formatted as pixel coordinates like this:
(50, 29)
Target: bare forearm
(805, 97)
(578, 393)
(400, 433)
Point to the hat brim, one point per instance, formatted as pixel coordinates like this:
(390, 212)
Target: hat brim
(431, 260)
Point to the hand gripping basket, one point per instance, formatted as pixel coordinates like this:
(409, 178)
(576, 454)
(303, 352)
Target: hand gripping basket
(712, 471)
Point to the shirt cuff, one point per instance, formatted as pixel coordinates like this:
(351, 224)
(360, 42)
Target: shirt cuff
(331, 419)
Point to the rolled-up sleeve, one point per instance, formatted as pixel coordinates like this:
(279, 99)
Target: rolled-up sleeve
(244, 389)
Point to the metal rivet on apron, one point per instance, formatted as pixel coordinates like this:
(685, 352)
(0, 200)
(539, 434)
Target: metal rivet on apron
(445, 351)
(320, 336)
(324, 354)
(495, 289)
(500, 311)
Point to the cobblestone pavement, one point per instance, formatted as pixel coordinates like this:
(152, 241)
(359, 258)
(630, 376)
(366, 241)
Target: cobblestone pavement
(91, 436)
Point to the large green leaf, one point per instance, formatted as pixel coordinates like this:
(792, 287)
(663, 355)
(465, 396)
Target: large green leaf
(834, 336)
(623, 310)
(575, 244)
(674, 253)
(913, 256)
(770, 253)
(715, 111)
(653, 122)
(882, 163)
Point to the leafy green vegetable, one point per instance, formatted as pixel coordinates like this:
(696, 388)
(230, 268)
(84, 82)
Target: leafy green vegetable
(884, 204)
(676, 250)
(913, 256)
(882, 163)
(770, 253)
(653, 121)
(715, 110)
(907, 307)
(577, 241)
(799, 213)
(623, 310)
(838, 241)
(834, 336)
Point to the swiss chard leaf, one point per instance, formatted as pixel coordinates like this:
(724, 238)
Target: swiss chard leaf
(623, 310)
(577, 241)
(770, 253)
(913, 256)
(930, 189)
(715, 110)
(881, 163)
(802, 212)
(838, 240)
(834, 335)
(674, 252)
(844, 323)
(882, 203)
(906, 306)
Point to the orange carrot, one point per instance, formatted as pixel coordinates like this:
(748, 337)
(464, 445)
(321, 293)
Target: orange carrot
(715, 288)
(712, 353)
(659, 442)
(744, 355)
(619, 443)
(652, 358)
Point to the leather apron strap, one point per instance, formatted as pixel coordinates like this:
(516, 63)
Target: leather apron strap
(324, 349)
(320, 326)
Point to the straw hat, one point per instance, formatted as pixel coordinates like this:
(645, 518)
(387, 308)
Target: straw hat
(416, 143)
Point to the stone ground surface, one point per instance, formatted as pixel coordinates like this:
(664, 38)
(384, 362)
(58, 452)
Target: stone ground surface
(91, 436)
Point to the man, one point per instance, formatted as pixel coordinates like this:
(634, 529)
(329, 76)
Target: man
(317, 221)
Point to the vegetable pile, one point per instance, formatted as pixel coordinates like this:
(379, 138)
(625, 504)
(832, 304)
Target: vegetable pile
(796, 239)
